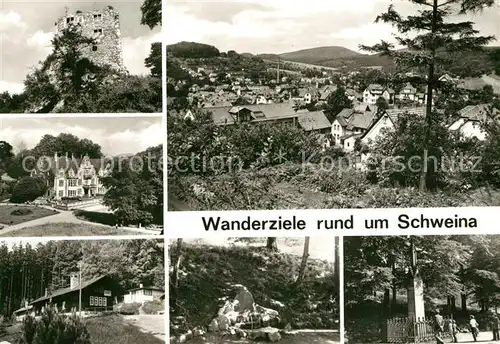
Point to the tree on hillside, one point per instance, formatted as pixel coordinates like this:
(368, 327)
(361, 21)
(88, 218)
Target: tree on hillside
(135, 188)
(28, 189)
(154, 60)
(336, 102)
(66, 143)
(151, 13)
(381, 104)
(6, 155)
(382, 264)
(433, 35)
(66, 79)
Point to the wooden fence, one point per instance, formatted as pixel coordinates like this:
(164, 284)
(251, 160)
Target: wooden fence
(405, 330)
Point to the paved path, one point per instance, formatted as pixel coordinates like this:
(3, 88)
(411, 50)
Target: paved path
(65, 216)
(153, 324)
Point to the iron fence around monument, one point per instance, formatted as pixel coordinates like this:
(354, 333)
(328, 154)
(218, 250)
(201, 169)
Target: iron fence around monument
(406, 330)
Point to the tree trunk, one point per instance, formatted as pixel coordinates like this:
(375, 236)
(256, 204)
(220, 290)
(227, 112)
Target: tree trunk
(428, 109)
(272, 244)
(303, 263)
(174, 280)
(463, 299)
(386, 304)
(336, 267)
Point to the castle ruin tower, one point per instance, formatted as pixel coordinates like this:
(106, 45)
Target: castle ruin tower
(104, 27)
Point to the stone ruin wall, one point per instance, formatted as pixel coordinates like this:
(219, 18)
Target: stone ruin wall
(104, 27)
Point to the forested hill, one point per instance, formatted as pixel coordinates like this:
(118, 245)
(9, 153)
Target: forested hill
(26, 271)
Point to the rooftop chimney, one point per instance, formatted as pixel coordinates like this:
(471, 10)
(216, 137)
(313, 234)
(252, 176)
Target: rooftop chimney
(74, 281)
(141, 286)
(46, 292)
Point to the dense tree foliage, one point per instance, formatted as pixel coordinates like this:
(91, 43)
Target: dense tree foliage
(135, 188)
(151, 13)
(336, 102)
(28, 189)
(435, 35)
(192, 50)
(26, 271)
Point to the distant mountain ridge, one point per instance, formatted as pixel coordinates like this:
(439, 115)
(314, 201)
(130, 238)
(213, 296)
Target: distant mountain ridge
(341, 57)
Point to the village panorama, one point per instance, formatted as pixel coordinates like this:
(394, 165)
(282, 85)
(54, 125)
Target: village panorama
(408, 122)
(105, 181)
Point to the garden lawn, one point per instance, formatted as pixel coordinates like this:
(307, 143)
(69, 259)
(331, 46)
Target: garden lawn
(67, 229)
(113, 330)
(7, 218)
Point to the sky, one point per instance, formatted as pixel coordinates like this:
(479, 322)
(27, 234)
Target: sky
(116, 136)
(278, 26)
(27, 27)
(320, 247)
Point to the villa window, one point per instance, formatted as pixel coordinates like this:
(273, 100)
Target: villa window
(61, 193)
(61, 182)
(97, 16)
(98, 31)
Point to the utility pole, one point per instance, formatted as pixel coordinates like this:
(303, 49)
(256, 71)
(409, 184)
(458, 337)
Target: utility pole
(278, 72)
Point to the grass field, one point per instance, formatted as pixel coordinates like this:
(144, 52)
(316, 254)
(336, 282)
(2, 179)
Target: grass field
(103, 330)
(113, 330)
(66, 229)
(7, 218)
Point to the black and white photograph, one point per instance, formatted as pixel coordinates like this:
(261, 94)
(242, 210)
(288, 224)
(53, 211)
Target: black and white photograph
(81, 56)
(81, 176)
(332, 104)
(422, 289)
(89, 292)
(247, 290)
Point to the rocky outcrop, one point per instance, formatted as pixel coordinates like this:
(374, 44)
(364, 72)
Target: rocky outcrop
(241, 318)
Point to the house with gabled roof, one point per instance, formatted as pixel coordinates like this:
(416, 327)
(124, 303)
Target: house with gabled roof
(97, 294)
(408, 93)
(308, 95)
(350, 124)
(472, 119)
(325, 91)
(387, 121)
(143, 294)
(375, 91)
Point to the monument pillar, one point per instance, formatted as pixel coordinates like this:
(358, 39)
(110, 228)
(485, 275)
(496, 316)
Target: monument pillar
(416, 310)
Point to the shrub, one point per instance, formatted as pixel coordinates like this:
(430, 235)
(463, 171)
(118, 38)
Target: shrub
(92, 216)
(54, 328)
(28, 189)
(153, 307)
(129, 308)
(21, 212)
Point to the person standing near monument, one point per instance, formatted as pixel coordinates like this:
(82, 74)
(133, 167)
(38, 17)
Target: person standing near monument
(495, 326)
(439, 326)
(474, 327)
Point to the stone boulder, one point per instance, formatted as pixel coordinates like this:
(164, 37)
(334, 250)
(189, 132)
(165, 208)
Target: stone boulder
(244, 301)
